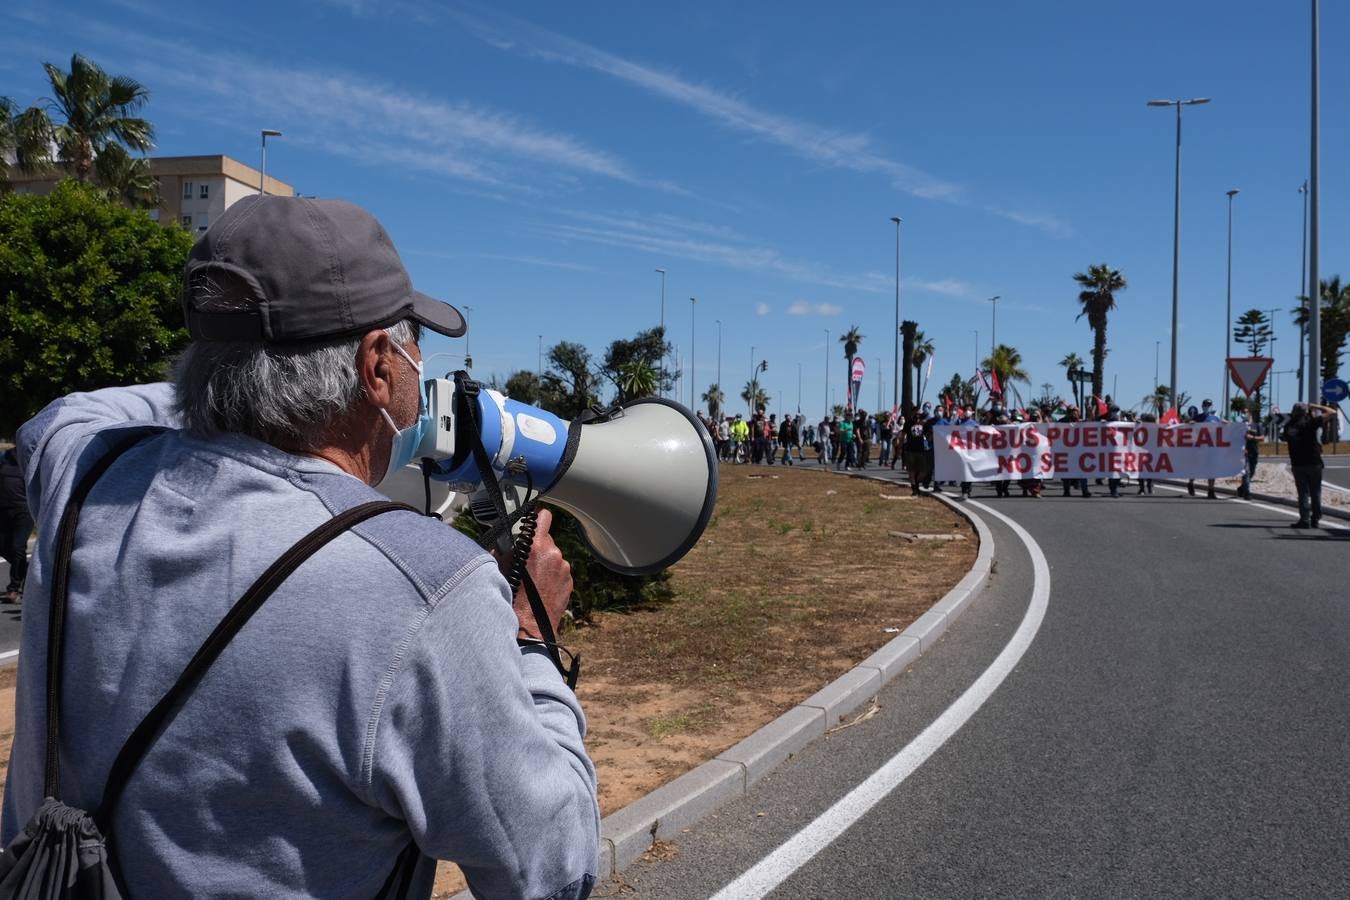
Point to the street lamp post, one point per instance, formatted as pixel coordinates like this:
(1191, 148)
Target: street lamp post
(827, 370)
(977, 351)
(993, 332)
(540, 370)
(720, 386)
(262, 173)
(692, 385)
(661, 377)
(881, 398)
(896, 374)
(1228, 320)
(1176, 232)
(1303, 292)
(752, 382)
(1314, 177)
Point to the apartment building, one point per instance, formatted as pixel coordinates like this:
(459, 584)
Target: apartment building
(193, 190)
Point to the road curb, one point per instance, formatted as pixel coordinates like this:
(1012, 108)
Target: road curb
(629, 832)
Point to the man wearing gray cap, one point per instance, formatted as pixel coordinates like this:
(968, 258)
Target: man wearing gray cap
(378, 712)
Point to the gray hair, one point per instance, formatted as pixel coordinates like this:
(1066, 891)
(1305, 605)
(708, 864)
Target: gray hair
(275, 393)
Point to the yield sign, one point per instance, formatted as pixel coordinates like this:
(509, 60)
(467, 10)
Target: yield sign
(1249, 372)
(859, 367)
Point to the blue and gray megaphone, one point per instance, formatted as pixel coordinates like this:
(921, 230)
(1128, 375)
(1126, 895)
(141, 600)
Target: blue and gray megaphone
(641, 479)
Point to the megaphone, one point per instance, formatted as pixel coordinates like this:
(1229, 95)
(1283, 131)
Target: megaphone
(640, 478)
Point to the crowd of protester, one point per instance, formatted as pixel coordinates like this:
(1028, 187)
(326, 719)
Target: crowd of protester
(846, 442)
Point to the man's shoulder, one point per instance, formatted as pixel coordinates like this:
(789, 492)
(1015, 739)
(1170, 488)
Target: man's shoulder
(428, 551)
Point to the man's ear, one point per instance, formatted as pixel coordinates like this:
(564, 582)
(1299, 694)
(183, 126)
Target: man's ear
(374, 361)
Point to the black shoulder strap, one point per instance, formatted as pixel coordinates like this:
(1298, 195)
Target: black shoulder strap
(145, 733)
(56, 616)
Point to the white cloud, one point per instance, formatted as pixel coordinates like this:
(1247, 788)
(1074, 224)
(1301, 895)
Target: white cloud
(947, 286)
(353, 115)
(803, 308)
(761, 309)
(851, 150)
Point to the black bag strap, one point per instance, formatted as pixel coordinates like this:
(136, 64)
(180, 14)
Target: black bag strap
(56, 615)
(145, 733)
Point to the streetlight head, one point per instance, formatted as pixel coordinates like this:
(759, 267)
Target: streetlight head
(1161, 102)
(662, 271)
(271, 132)
(995, 297)
(1197, 101)
(1234, 192)
(895, 219)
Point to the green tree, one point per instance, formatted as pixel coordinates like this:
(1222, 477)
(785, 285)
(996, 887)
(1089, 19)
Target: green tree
(94, 110)
(637, 378)
(570, 385)
(89, 297)
(960, 390)
(850, 339)
(714, 397)
(1253, 329)
(923, 349)
(1335, 321)
(1006, 362)
(23, 143)
(754, 395)
(525, 386)
(1073, 364)
(648, 347)
(1098, 297)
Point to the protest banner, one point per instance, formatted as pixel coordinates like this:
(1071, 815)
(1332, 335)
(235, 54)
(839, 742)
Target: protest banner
(1087, 450)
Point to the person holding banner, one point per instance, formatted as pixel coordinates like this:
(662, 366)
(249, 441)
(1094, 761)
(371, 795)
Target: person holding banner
(915, 448)
(1206, 414)
(1252, 448)
(1303, 435)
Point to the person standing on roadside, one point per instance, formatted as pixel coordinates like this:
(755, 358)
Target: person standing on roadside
(823, 443)
(862, 437)
(1303, 434)
(915, 448)
(1252, 448)
(16, 524)
(845, 444)
(885, 434)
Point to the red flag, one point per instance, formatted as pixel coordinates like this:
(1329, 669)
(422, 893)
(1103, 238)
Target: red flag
(1170, 417)
(994, 383)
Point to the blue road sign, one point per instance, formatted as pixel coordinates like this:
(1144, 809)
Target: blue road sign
(1334, 390)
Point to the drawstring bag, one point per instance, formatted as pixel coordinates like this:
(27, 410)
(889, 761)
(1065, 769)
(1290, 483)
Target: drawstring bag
(63, 853)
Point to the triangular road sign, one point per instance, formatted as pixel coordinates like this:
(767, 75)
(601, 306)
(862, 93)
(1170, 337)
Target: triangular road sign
(1249, 372)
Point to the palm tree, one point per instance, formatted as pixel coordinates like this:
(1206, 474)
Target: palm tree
(21, 140)
(96, 111)
(1335, 320)
(850, 339)
(1100, 284)
(637, 378)
(126, 178)
(1073, 364)
(1006, 362)
(923, 348)
(714, 398)
(755, 395)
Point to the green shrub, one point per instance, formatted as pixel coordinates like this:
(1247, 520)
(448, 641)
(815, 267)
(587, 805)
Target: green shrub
(595, 588)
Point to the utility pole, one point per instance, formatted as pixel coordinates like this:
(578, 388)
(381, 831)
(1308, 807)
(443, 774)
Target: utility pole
(1314, 225)
(1228, 321)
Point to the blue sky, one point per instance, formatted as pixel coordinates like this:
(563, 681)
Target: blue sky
(535, 163)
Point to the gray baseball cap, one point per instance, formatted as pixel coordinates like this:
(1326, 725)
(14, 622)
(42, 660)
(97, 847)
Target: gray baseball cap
(291, 269)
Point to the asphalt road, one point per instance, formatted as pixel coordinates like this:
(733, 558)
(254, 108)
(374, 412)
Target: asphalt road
(1337, 472)
(1177, 728)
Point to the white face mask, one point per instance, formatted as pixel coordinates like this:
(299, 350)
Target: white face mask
(404, 445)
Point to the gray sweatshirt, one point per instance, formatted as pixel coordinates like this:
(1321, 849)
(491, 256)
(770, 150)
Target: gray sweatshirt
(378, 697)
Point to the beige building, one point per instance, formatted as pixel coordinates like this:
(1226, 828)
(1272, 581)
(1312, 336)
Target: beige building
(193, 190)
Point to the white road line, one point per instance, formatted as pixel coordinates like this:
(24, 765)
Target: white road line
(1284, 510)
(774, 869)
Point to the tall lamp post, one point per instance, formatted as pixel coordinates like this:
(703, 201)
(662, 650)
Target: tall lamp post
(1228, 320)
(1314, 177)
(1176, 233)
(720, 386)
(896, 375)
(692, 386)
(262, 173)
(828, 409)
(993, 325)
(1303, 292)
(662, 375)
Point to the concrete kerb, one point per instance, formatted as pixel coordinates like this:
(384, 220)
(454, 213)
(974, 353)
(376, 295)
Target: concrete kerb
(630, 832)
